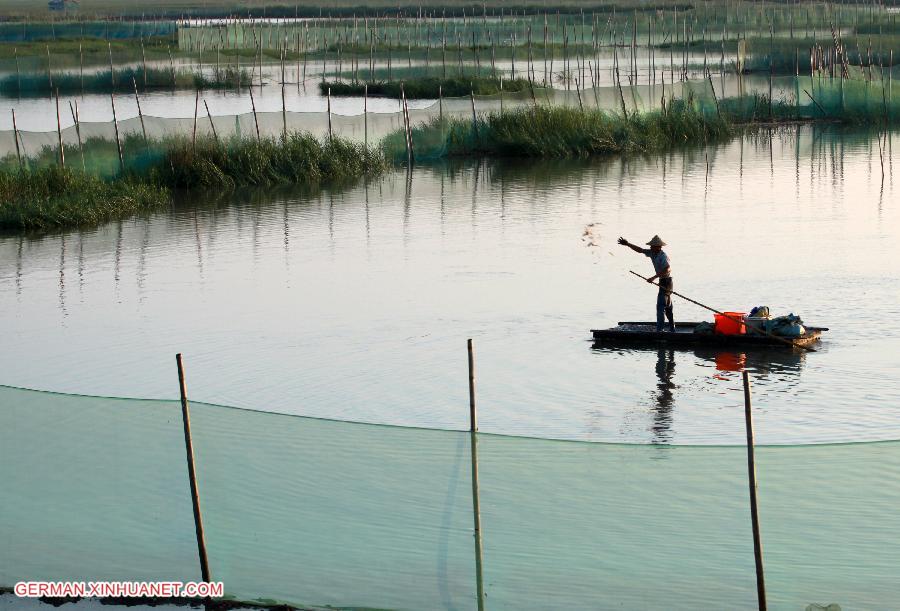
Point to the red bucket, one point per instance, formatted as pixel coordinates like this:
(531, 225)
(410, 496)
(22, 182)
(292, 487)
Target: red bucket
(725, 325)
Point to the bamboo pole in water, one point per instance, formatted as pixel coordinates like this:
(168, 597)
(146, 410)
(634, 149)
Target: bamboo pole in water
(754, 508)
(473, 415)
(16, 137)
(62, 150)
(283, 102)
(77, 133)
(112, 100)
(330, 133)
(192, 472)
(196, 109)
(476, 504)
(409, 140)
(212, 125)
(253, 107)
(474, 116)
(140, 114)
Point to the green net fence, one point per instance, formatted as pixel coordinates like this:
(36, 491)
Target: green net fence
(792, 98)
(320, 512)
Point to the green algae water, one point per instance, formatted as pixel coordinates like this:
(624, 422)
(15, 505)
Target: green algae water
(318, 512)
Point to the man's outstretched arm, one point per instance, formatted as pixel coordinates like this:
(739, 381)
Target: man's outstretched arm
(625, 242)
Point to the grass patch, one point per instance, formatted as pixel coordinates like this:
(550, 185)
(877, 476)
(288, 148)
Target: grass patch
(52, 197)
(120, 81)
(542, 131)
(426, 87)
(298, 158)
(43, 196)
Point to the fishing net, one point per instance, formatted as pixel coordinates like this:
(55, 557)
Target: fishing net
(319, 512)
(742, 100)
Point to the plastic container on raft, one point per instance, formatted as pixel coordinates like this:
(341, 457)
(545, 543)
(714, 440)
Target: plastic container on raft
(726, 325)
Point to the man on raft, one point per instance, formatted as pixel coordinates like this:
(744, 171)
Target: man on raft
(663, 268)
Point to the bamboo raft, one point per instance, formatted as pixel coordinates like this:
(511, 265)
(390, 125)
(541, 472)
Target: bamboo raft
(637, 333)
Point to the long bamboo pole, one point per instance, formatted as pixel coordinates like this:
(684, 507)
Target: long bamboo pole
(194, 129)
(78, 133)
(212, 125)
(253, 106)
(732, 318)
(754, 507)
(62, 150)
(476, 515)
(140, 113)
(192, 473)
(112, 100)
(16, 137)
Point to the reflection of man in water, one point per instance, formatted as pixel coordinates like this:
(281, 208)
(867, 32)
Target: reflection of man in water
(663, 270)
(662, 413)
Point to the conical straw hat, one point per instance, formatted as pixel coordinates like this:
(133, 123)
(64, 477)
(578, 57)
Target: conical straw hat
(656, 241)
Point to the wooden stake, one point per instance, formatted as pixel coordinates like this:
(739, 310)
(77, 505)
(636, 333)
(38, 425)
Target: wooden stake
(78, 133)
(192, 472)
(473, 417)
(754, 509)
(62, 151)
(476, 515)
(283, 106)
(253, 106)
(366, 115)
(474, 116)
(16, 137)
(140, 114)
(212, 125)
(194, 130)
(112, 100)
(330, 134)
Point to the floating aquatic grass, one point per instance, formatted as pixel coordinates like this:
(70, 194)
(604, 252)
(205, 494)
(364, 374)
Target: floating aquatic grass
(121, 81)
(297, 158)
(54, 197)
(426, 87)
(543, 131)
(43, 196)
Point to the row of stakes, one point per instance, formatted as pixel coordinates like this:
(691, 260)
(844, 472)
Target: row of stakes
(473, 430)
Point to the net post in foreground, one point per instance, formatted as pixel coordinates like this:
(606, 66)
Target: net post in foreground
(476, 505)
(754, 508)
(192, 473)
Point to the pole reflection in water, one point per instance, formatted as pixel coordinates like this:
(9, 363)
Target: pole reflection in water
(665, 398)
(708, 370)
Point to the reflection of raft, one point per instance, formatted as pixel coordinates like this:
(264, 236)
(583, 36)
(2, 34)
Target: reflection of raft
(644, 333)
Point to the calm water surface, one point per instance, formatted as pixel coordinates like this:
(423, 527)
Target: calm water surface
(356, 304)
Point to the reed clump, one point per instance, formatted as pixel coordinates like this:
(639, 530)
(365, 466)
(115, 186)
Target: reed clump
(54, 197)
(40, 195)
(426, 87)
(299, 157)
(542, 131)
(120, 81)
